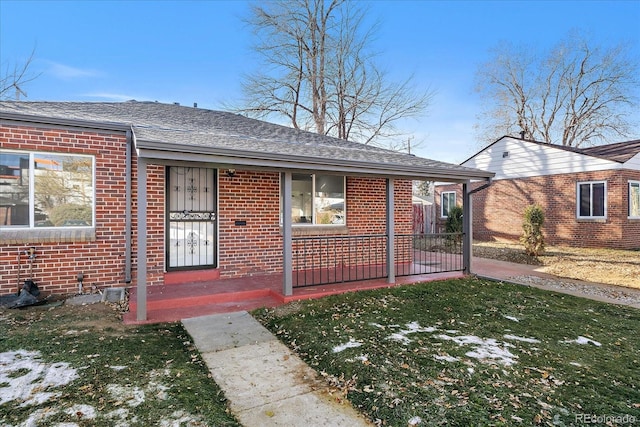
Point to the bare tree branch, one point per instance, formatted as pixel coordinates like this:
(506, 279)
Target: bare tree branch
(574, 95)
(319, 73)
(15, 77)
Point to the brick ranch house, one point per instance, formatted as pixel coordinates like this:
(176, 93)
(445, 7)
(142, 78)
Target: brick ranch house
(590, 196)
(145, 194)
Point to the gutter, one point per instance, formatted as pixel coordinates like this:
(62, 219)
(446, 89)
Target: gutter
(128, 207)
(173, 152)
(77, 123)
(482, 187)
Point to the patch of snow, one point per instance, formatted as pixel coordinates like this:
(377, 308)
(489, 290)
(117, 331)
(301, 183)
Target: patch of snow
(85, 412)
(118, 367)
(38, 376)
(414, 421)
(523, 339)
(575, 364)
(377, 325)
(583, 340)
(484, 349)
(415, 327)
(74, 332)
(119, 417)
(399, 337)
(37, 417)
(181, 418)
(515, 319)
(350, 344)
(131, 395)
(446, 358)
(471, 371)
(412, 328)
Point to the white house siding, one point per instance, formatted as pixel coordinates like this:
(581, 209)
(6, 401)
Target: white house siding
(528, 159)
(633, 163)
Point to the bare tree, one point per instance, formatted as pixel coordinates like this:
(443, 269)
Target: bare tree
(574, 95)
(318, 72)
(15, 77)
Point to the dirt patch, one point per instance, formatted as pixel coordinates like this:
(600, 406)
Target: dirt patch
(608, 266)
(98, 317)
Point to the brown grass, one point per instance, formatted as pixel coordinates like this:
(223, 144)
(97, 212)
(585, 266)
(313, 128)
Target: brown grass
(609, 266)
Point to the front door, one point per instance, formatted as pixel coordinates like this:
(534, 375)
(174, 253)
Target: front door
(191, 212)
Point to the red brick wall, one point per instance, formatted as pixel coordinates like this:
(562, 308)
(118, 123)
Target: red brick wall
(498, 210)
(256, 248)
(366, 206)
(57, 264)
(251, 196)
(254, 197)
(155, 224)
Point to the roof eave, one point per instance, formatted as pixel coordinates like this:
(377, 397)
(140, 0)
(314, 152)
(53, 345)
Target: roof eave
(76, 123)
(175, 152)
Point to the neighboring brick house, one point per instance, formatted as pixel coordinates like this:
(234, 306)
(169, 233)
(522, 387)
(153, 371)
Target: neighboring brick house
(144, 193)
(590, 196)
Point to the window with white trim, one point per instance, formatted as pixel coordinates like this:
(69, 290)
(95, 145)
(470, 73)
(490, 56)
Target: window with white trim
(592, 200)
(46, 190)
(447, 201)
(318, 199)
(634, 199)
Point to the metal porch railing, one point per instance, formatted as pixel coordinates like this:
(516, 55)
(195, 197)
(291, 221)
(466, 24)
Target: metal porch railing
(335, 259)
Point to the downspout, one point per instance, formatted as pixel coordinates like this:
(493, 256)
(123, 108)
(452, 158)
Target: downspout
(482, 187)
(467, 226)
(127, 219)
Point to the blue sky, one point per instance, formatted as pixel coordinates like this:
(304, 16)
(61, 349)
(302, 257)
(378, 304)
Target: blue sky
(197, 51)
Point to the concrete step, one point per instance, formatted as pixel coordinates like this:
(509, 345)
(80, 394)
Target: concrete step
(175, 310)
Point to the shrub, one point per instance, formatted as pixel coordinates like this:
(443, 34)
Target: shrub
(454, 220)
(532, 238)
(454, 225)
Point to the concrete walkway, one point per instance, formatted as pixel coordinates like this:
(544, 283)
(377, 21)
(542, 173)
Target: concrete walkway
(530, 275)
(266, 384)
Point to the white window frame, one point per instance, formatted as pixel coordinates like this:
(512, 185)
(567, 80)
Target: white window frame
(632, 183)
(32, 190)
(313, 196)
(455, 201)
(578, 199)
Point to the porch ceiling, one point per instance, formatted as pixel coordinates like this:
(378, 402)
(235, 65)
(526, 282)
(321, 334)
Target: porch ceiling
(169, 133)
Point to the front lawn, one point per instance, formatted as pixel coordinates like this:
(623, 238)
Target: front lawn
(611, 266)
(80, 366)
(470, 352)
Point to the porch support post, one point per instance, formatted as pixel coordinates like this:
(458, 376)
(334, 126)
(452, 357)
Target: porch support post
(141, 295)
(287, 242)
(467, 227)
(391, 253)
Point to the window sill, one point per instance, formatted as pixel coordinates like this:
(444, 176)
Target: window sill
(62, 235)
(317, 230)
(591, 220)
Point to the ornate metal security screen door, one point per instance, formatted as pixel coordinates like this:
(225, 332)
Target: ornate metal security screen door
(191, 206)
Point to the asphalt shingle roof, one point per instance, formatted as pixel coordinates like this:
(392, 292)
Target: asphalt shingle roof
(186, 129)
(617, 152)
